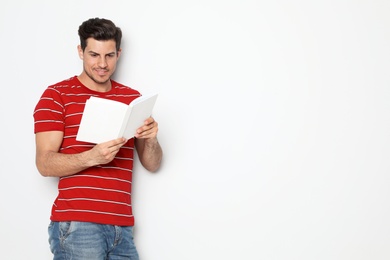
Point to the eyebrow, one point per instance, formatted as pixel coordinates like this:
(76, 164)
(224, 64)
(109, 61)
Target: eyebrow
(110, 53)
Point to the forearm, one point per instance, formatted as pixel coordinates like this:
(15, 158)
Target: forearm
(50, 162)
(56, 164)
(150, 153)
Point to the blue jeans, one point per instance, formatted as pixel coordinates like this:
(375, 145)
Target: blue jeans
(89, 241)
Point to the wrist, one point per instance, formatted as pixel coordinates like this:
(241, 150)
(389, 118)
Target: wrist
(87, 160)
(151, 141)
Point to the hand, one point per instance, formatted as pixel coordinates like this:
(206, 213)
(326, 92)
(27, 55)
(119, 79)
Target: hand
(147, 145)
(148, 130)
(104, 153)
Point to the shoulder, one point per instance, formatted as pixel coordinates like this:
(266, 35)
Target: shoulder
(123, 93)
(121, 88)
(65, 85)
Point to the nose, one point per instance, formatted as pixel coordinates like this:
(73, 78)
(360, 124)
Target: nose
(102, 63)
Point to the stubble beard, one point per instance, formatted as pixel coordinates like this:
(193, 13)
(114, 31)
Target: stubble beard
(96, 80)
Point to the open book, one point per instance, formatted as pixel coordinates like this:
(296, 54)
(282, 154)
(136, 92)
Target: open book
(104, 119)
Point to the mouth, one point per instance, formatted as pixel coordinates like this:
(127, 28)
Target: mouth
(101, 72)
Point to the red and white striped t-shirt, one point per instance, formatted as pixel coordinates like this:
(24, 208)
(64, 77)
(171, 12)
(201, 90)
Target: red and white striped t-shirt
(100, 194)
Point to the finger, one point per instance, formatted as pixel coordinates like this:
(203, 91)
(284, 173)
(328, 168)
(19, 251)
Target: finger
(117, 142)
(150, 122)
(144, 128)
(149, 133)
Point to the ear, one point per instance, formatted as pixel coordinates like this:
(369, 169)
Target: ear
(118, 53)
(80, 51)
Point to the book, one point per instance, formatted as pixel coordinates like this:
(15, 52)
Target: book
(104, 119)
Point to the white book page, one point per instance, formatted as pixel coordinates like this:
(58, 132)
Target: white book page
(140, 109)
(101, 121)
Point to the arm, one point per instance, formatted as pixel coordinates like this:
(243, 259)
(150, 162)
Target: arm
(148, 148)
(50, 162)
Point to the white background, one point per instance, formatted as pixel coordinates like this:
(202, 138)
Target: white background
(273, 115)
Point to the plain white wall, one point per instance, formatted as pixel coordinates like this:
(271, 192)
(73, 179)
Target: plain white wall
(274, 119)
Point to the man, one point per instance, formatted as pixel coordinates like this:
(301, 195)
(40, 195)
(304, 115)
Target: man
(92, 215)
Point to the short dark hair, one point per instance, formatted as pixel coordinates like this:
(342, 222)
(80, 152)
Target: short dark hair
(99, 29)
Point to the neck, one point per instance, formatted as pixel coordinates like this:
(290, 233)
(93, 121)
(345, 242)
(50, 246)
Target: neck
(94, 85)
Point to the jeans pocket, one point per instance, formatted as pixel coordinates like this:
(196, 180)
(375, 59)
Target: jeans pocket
(65, 228)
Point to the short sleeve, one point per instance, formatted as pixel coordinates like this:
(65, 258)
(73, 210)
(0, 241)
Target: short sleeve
(49, 112)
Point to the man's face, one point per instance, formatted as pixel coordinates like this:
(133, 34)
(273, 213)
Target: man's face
(99, 59)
